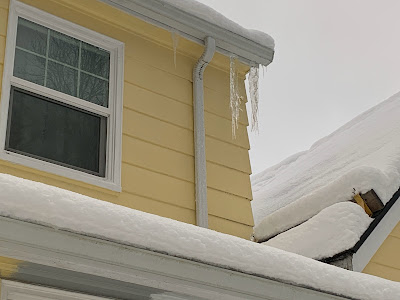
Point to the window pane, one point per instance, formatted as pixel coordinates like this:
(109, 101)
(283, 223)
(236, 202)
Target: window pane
(93, 89)
(53, 132)
(31, 36)
(95, 61)
(62, 78)
(29, 67)
(63, 48)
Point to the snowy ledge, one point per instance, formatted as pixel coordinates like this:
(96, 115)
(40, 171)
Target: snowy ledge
(334, 230)
(64, 210)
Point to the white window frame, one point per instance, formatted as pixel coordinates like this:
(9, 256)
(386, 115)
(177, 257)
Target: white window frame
(112, 179)
(11, 290)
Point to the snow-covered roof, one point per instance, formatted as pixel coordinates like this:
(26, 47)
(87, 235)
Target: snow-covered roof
(334, 230)
(208, 14)
(363, 154)
(196, 21)
(64, 210)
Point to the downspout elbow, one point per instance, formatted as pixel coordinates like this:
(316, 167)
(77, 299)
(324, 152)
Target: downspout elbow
(199, 133)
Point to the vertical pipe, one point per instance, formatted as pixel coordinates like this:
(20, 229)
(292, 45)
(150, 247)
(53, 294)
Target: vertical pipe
(199, 133)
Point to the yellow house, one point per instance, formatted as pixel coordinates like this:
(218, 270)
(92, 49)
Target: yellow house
(116, 140)
(142, 84)
(309, 204)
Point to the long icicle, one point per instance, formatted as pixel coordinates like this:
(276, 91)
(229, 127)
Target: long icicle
(254, 96)
(235, 99)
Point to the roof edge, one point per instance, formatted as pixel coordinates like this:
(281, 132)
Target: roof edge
(376, 233)
(40, 244)
(196, 29)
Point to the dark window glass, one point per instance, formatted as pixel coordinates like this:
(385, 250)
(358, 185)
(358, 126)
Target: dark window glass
(63, 48)
(29, 67)
(95, 60)
(47, 130)
(31, 36)
(65, 83)
(93, 89)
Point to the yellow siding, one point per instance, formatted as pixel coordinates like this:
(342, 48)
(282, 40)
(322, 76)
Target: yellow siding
(157, 151)
(386, 263)
(8, 266)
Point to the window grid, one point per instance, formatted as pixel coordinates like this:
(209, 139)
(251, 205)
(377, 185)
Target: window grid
(78, 69)
(63, 64)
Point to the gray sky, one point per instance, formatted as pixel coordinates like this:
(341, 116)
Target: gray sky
(334, 59)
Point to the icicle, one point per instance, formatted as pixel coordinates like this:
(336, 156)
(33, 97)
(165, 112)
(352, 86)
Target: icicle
(254, 96)
(175, 40)
(235, 98)
(264, 68)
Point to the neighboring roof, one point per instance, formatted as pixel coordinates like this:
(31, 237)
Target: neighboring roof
(53, 207)
(195, 21)
(363, 154)
(334, 230)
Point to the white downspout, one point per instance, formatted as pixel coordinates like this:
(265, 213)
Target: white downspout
(200, 134)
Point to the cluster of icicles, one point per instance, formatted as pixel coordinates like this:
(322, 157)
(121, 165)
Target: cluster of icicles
(235, 97)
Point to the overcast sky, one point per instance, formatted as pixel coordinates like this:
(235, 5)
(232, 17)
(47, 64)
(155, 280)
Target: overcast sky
(334, 59)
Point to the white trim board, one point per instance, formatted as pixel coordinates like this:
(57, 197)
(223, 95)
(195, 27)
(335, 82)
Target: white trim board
(376, 238)
(112, 179)
(69, 251)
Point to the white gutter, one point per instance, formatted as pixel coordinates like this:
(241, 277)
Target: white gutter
(199, 133)
(195, 29)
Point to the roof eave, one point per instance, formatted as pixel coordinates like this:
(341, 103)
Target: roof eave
(196, 29)
(127, 264)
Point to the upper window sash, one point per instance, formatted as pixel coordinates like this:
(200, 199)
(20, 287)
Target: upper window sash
(113, 112)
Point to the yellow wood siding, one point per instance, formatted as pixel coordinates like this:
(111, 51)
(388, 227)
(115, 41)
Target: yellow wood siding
(386, 261)
(157, 141)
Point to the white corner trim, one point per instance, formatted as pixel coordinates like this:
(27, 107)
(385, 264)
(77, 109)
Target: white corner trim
(112, 179)
(376, 238)
(16, 291)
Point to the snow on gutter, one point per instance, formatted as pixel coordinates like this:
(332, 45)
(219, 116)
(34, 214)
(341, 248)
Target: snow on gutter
(249, 46)
(64, 210)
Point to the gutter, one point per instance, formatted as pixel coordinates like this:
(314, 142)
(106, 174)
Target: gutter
(195, 29)
(199, 133)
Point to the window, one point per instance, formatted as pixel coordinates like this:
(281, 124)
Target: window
(61, 98)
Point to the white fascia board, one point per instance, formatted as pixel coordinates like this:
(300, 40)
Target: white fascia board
(74, 252)
(196, 29)
(367, 250)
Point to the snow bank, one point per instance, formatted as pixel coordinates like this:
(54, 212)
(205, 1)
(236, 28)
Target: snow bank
(208, 14)
(334, 230)
(364, 154)
(42, 204)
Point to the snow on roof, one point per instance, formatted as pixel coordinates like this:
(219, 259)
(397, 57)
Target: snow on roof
(363, 154)
(64, 210)
(208, 14)
(335, 229)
